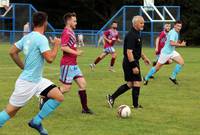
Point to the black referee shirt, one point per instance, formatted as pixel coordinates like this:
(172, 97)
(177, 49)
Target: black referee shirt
(133, 41)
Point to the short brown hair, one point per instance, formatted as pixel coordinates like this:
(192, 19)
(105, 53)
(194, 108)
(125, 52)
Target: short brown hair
(178, 22)
(114, 22)
(68, 15)
(39, 18)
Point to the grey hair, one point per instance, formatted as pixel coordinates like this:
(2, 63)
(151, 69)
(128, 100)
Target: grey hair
(136, 18)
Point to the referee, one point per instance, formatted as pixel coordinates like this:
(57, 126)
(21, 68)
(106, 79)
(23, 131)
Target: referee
(132, 53)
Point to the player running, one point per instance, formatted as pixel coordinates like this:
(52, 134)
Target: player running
(110, 37)
(68, 66)
(36, 49)
(160, 42)
(168, 52)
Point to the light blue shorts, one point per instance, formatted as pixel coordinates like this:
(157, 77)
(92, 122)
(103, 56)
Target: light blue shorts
(68, 73)
(109, 50)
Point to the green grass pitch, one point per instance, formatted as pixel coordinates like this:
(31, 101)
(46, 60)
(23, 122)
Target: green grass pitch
(168, 109)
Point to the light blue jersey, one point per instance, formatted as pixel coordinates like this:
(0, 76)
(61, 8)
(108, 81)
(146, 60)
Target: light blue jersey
(171, 36)
(33, 45)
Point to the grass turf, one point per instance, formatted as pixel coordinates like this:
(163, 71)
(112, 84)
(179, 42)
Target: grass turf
(168, 109)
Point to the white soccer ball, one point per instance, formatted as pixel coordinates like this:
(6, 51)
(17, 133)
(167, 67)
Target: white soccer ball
(124, 111)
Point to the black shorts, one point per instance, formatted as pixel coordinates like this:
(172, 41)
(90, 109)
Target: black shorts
(128, 72)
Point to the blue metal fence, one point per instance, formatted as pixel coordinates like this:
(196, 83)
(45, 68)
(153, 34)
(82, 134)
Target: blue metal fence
(91, 36)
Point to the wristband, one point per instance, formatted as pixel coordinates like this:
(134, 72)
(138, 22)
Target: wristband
(133, 64)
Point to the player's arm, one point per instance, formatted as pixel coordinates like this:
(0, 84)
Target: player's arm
(133, 63)
(173, 40)
(67, 49)
(118, 39)
(50, 55)
(157, 43)
(173, 43)
(105, 37)
(14, 54)
(146, 60)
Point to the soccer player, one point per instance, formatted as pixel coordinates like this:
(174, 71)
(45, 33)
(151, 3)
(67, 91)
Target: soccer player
(101, 38)
(110, 37)
(132, 54)
(168, 52)
(160, 42)
(68, 67)
(80, 40)
(36, 49)
(26, 28)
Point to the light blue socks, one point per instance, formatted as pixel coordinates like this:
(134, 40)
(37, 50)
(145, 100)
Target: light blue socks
(176, 70)
(151, 73)
(48, 107)
(4, 117)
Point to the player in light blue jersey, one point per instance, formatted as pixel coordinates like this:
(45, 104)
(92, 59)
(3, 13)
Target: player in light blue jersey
(168, 52)
(36, 49)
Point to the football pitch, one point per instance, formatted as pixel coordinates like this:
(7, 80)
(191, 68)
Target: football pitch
(168, 109)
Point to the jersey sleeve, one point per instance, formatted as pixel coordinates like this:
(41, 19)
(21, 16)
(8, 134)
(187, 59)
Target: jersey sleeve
(64, 39)
(19, 44)
(44, 45)
(131, 41)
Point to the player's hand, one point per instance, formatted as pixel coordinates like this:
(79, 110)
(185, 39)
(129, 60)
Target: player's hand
(147, 61)
(135, 70)
(183, 43)
(109, 41)
(55, 40)
(79, 52)
(119, 40)
(156, 50)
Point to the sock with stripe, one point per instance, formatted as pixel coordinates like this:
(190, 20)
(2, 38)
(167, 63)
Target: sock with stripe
(97, 60)
(112, 62)
(151, 73)
(176, 70)
(4, 117)
(47, 108)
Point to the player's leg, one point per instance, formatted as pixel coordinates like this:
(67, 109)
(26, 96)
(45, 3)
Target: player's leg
(66, 77)
(154, 64)
(136, 93)
(98, 59)
(47, 89)
(16, 101)
(162, 59)
(156, 60)
(112, 61)
(180, 62)
(120, 90)
(151, 72)
(128, 76)
(136, 79)
(55, 97)
(81, 82)
(8, 113)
